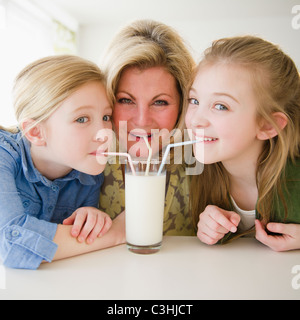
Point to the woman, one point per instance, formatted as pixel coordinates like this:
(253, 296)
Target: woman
(148, 70)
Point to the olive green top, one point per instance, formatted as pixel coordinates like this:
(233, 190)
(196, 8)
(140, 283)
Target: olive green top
(177, 218)
(291, 193)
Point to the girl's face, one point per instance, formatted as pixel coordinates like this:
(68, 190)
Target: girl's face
(147, 101)
(74, 134)
(222, 115)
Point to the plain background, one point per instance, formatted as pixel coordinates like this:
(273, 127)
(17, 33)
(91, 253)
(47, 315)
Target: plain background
(199, 22)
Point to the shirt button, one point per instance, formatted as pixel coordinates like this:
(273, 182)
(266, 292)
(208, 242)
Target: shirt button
(55, 188)
(25, 203)
(50, 209)
(15, 233)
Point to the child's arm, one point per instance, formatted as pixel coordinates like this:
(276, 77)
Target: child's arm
(88, 224)
(68, 246)
(24, 240)
(288, 237)
(215, 222)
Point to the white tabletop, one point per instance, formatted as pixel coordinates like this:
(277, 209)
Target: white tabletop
(184, 269)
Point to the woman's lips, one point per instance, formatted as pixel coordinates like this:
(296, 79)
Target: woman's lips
(138, 136)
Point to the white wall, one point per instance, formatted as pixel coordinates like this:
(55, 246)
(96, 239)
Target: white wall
(198, 21)
(93, 39)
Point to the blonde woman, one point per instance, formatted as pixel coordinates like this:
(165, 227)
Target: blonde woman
(50, 173)
(148, 69)
(244, 107)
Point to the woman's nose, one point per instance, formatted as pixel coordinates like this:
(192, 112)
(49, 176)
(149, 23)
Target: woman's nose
(142, 116)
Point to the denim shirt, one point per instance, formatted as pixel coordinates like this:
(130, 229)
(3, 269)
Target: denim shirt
(31, 206)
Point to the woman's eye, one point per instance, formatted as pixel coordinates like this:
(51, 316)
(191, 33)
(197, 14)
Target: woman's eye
(82, 120)
(220, 107)
(193, 101)
(161, 103)
(124, 101)
(107, 118)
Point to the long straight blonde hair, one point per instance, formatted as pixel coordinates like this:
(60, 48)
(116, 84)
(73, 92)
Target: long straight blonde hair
(277, 86)
(40, 87)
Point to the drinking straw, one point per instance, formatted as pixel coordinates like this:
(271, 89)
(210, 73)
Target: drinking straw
(149, 156)
(121, 154)
(172, 145)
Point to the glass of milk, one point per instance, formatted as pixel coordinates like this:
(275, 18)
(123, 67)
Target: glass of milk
(144, 207)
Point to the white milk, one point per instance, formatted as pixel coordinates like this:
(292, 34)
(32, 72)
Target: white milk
(144, 208)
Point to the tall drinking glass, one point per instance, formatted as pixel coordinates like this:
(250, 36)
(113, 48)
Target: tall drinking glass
(144, 207)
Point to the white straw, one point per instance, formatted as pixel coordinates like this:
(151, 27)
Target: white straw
(172, 145)
(149, 155)
(120, 154)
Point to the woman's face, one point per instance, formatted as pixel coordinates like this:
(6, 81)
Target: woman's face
(147, 105)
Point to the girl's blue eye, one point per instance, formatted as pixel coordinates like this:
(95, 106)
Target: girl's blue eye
(82, 120)
(193, 101)
(107, 118)
(221, 107)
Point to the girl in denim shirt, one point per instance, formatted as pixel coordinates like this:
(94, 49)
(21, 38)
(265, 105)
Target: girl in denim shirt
(51, 165)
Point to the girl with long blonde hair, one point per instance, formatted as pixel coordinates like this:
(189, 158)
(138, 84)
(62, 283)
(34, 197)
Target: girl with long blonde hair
(50, 173)
(244, 108)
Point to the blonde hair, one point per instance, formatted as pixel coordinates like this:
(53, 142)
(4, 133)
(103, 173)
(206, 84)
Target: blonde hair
(277, 86)
(145, 44)
(40, 87)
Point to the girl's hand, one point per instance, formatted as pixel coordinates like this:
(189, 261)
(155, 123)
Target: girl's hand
(215, 222)
(287, 238)
(88, 224)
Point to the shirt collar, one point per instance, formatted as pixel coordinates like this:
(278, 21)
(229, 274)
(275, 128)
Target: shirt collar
(33, 175)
